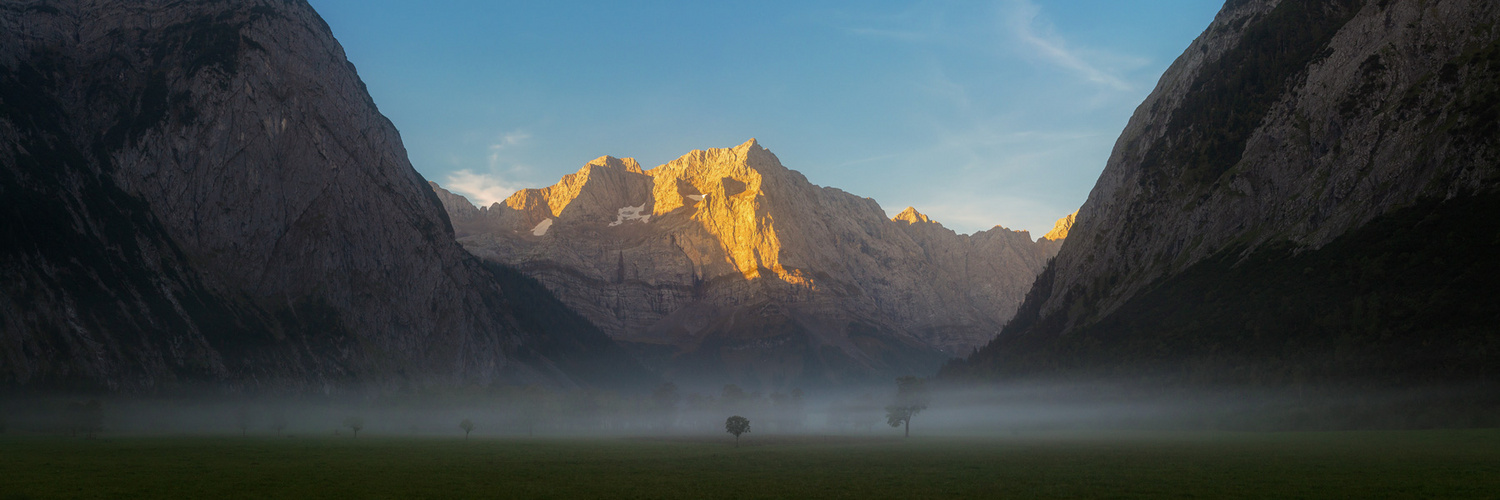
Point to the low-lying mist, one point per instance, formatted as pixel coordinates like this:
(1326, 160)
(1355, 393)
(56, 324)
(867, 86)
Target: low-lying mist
(999, 409)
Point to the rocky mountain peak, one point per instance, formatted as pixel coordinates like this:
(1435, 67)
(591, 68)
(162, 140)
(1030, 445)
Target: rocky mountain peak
(725, 172)
(912, 216)
(610, 162)
(1060, 229)
(595, 192)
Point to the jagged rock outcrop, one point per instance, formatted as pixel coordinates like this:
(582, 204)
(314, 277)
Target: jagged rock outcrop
(724, 263)
(1054, 239)
(1303, 196)
(1060, 229)
(204, 193)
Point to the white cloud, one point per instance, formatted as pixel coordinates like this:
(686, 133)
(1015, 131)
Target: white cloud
(493, 175)
(482, 189)
(1025, 21)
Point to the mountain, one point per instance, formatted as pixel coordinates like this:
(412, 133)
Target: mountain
(204, 193)
(1307, 195)
(724, 265)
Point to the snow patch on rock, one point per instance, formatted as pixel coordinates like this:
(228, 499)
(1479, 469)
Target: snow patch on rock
(631, 213)
(541, 227)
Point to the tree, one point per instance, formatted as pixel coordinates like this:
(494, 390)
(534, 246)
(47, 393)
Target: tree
(911, 399)
(737, 425)
(278, 423)
(468, 426)
(355, 424)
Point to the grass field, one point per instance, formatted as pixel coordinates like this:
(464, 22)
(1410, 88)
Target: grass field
(1365, 464)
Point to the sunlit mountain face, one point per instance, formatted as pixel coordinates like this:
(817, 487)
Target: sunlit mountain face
(724, 266)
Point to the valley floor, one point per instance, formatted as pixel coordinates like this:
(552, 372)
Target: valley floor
(1359, 464)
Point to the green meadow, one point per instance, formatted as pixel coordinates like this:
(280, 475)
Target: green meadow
(1358, 464)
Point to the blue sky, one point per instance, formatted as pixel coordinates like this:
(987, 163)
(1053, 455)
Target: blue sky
(977, 113)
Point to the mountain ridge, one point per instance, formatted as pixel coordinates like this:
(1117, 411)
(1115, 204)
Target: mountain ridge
(668, 258)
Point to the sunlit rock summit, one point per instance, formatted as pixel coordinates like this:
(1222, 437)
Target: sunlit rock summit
(727, 264)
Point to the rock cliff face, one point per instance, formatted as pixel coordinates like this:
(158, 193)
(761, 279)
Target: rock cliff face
(1300, 197)
(727, 265)
(203, 192)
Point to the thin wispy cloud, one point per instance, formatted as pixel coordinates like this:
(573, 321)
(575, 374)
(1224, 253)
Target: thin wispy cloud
(506, 141)
(1004, 163)
(509, 139)
(481, 189)
(1025, 21)
(497, 179)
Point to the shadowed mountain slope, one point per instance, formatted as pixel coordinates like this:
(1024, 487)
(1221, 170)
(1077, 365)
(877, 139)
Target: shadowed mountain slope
(1309, 195)
(204, 193)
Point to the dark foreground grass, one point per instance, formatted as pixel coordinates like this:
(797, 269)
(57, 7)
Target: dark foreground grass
(1418, 464)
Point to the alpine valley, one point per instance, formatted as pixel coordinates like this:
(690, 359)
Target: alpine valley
(204, 195)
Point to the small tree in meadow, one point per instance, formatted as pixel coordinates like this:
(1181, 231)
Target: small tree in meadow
(468, 426)
(737, 425)
(355, 424)
(911, 399)
(278, 423)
